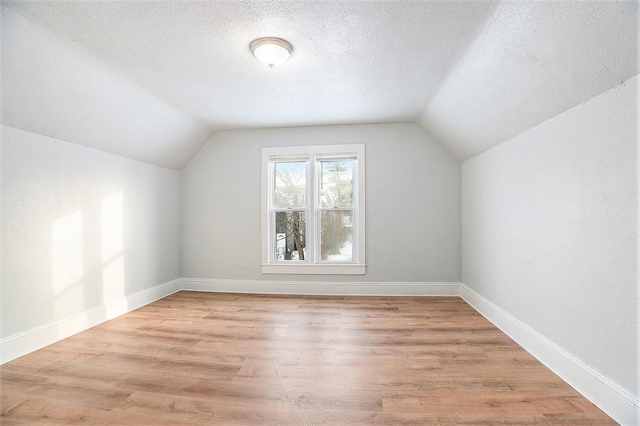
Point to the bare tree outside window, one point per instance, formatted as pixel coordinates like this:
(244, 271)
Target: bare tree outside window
(291, 225)
(290, 198)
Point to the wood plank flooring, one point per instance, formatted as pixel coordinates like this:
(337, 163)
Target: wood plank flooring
(218, 359)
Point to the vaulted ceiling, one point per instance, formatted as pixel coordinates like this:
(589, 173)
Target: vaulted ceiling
(153, 80)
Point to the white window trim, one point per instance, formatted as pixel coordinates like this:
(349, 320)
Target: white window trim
(310, 266)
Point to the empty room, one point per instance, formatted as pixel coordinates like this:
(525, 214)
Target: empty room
(331, 212)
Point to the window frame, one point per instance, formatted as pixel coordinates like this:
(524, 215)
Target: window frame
(313, 154)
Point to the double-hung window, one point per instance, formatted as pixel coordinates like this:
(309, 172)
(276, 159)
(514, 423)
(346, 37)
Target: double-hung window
(313, 209)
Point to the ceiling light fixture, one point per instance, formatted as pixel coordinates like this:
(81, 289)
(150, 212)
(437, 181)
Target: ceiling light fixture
(271, 51)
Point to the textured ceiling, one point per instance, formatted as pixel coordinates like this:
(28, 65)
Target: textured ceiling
(532, 61)
(152, 80)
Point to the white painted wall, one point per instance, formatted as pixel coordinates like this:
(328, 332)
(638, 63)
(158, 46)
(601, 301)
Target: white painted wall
(80, 228)
(413, 204)
(550, 231)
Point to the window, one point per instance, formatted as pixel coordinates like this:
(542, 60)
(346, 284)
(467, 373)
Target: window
(313, 210)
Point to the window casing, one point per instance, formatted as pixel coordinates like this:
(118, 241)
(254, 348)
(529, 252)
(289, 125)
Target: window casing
(313, 210)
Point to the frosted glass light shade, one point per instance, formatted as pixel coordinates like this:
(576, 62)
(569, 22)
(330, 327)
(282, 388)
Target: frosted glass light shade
(271, 51)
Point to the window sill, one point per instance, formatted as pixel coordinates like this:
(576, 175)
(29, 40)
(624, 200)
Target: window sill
(306, 269)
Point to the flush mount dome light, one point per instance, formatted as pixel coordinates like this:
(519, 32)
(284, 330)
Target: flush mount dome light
(271, 51)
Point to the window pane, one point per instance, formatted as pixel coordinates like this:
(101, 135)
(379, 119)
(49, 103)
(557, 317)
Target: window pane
(336, 236)
(290, 184)
(290, 238)
(336, 182)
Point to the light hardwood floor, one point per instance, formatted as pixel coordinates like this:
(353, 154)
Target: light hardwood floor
(207, 358)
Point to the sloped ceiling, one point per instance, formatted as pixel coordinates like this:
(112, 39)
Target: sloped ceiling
(153, 80)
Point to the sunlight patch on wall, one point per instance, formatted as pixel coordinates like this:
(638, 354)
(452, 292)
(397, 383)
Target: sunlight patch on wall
(112, 247)
(67, 262)
(111, 227)
(113, 279)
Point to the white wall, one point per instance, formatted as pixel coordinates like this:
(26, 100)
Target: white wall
(412, 204)
(550, 231)
(80, 228)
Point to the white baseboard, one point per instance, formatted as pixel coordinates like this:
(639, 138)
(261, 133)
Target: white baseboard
(26, 342)
(323, 288)
(622, 406)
